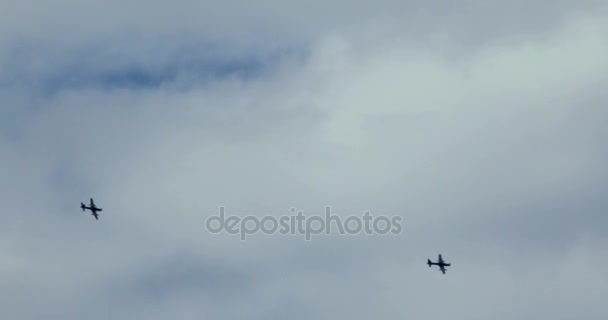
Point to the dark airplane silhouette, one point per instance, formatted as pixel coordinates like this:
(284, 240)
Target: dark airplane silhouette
(91, 207)
(439, 263)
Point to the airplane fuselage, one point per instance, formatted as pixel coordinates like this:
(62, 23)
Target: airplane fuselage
(440, 263)
(93, 209)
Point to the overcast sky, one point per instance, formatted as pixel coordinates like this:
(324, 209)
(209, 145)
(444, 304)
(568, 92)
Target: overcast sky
(483, 124)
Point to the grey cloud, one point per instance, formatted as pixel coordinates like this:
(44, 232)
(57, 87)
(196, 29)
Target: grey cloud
(276, 19)
(65, 44)
(495, 159)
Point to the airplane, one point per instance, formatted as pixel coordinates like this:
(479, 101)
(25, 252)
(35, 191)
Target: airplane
(439, 263)
(91, 207)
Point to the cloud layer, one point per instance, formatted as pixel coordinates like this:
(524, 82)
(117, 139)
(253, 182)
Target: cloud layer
(481, 124)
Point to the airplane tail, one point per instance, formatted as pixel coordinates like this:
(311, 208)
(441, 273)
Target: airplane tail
(82, 206)
(428, 261)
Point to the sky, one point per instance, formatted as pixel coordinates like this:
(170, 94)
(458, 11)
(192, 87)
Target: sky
(482, 124)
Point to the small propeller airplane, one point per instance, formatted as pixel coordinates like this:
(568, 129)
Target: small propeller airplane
(91, 207)
(439, 263)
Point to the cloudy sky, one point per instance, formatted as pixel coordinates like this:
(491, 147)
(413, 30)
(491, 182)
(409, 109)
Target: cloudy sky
(483, 124)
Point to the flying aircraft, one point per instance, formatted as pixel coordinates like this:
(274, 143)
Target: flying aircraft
(91, 207)
(439, 263)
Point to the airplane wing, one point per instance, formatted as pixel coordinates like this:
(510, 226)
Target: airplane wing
(95, 215)
(92, 203)
(442, 269)
(440, 259)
